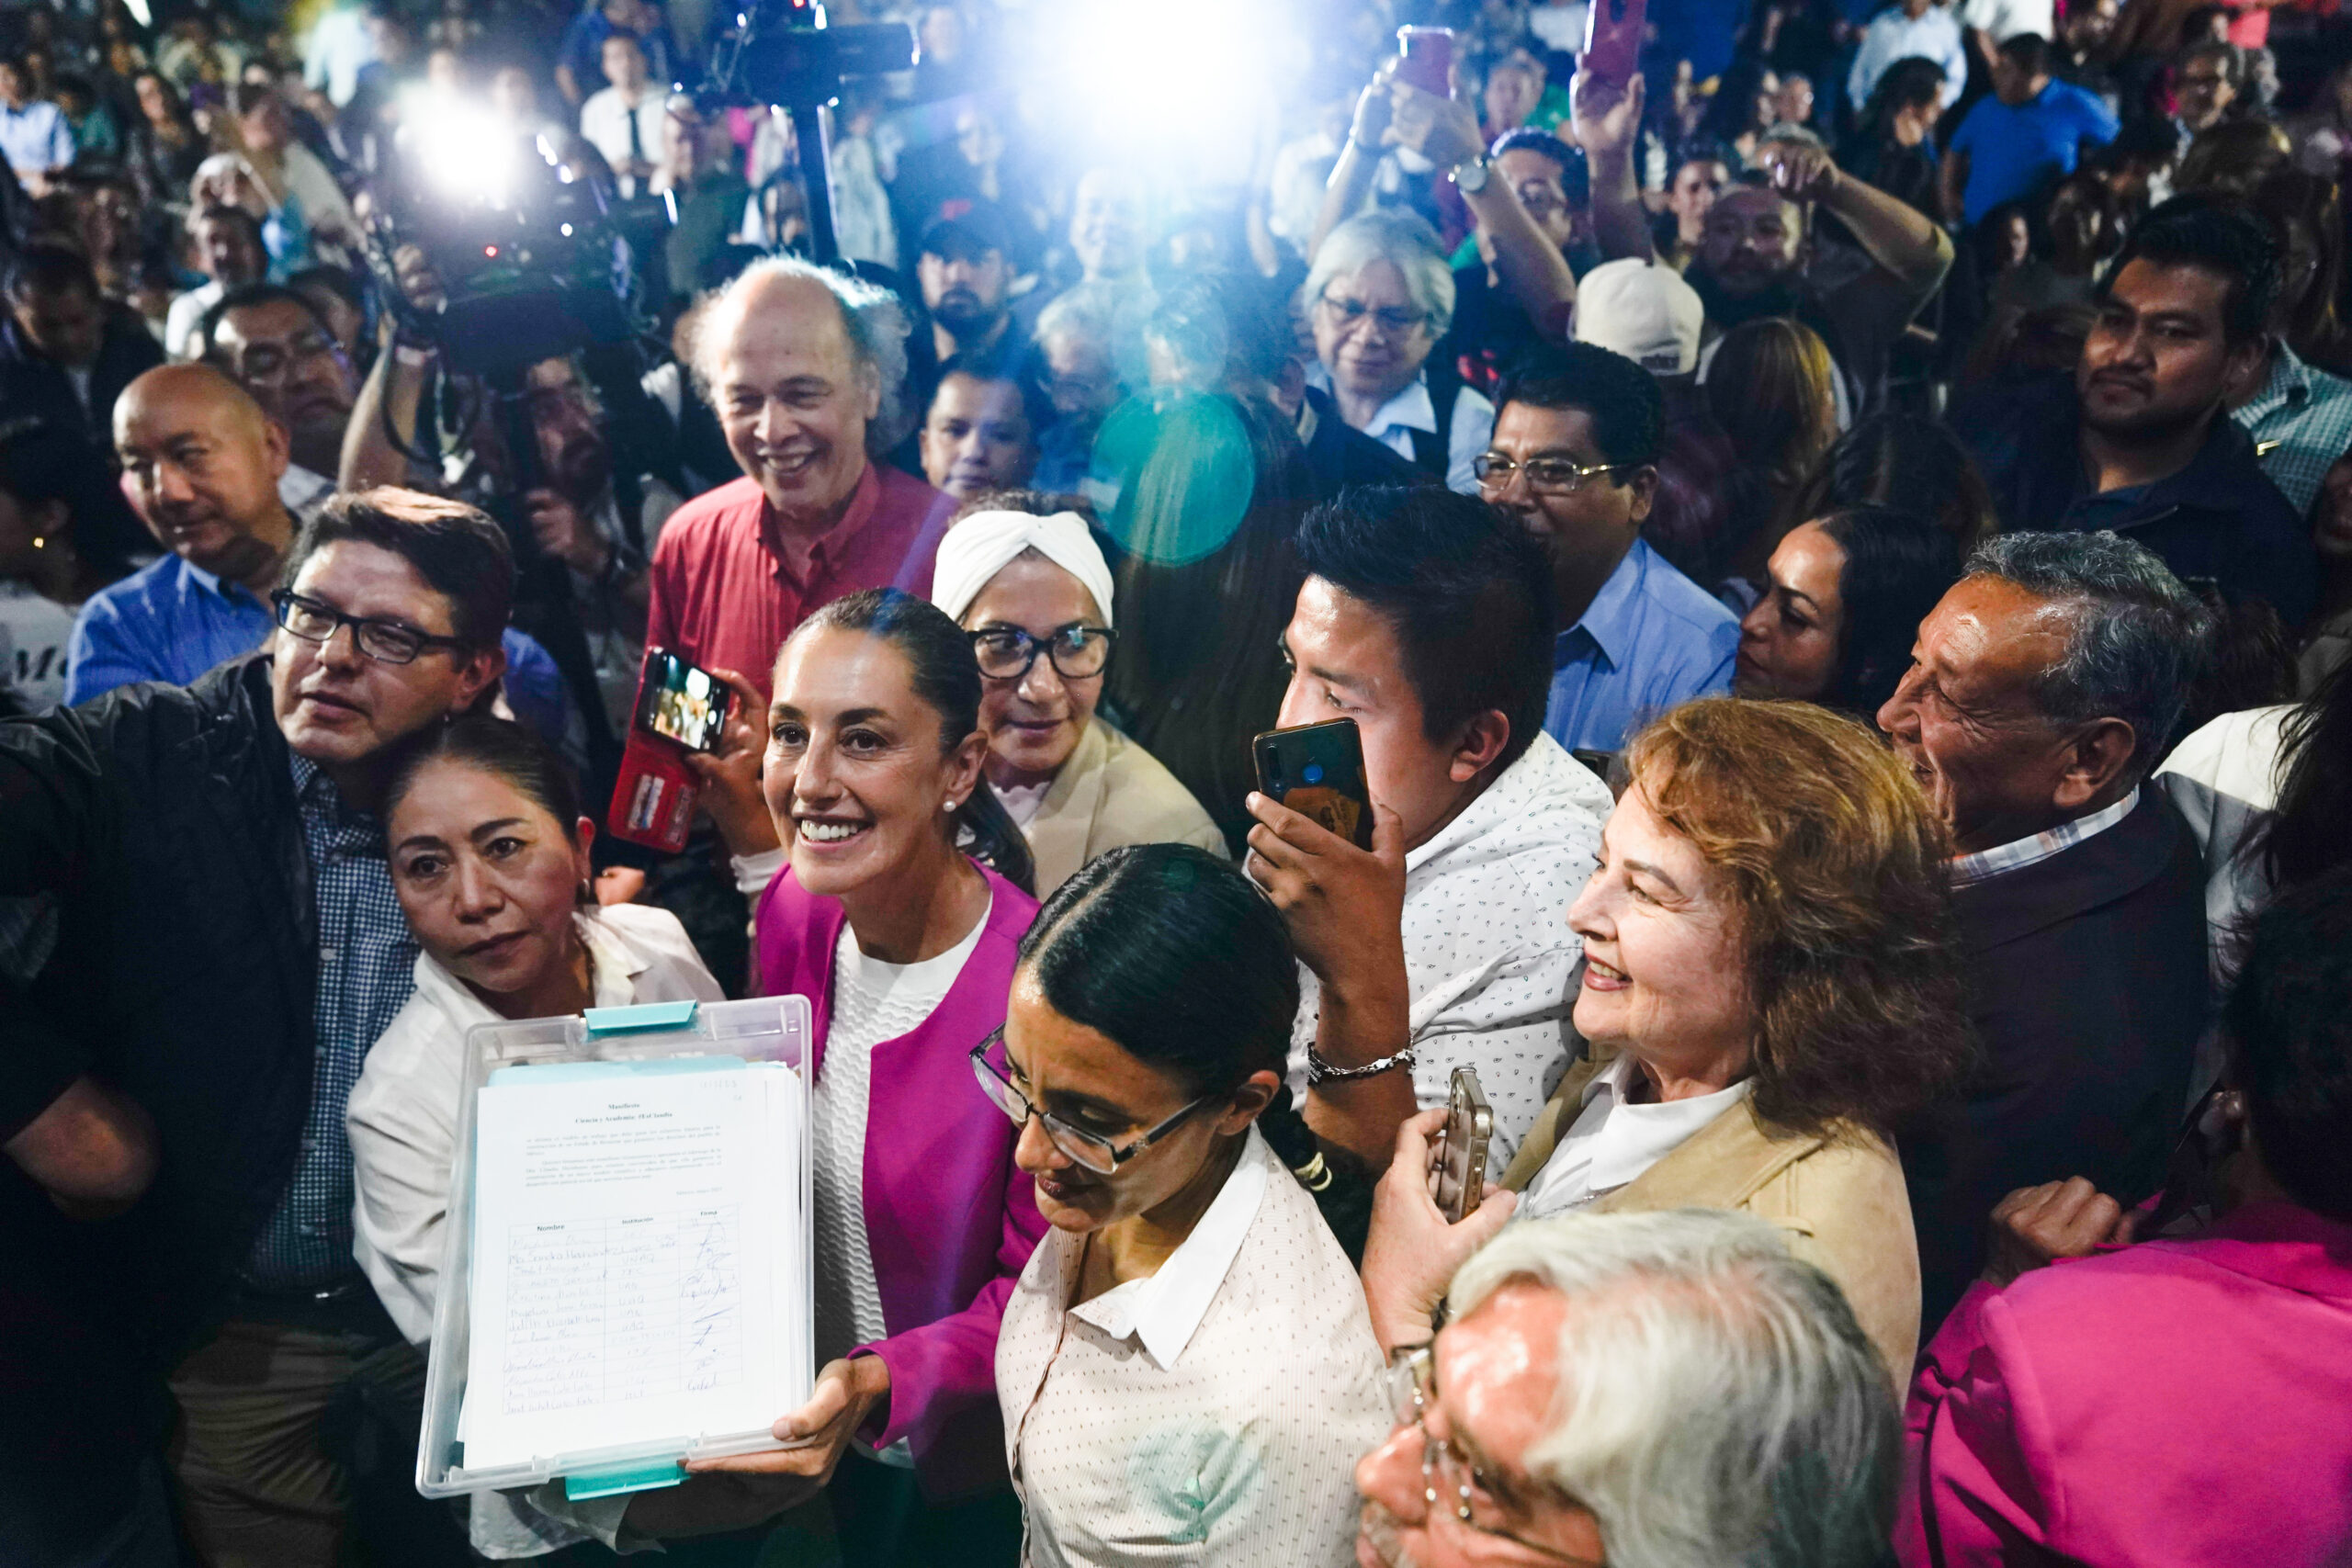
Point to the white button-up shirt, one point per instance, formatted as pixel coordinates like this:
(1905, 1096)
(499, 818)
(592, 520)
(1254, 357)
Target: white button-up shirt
(1211, 1414)
(1489, 959)
(1614, 1141)
(403, 1123)
(605, 122)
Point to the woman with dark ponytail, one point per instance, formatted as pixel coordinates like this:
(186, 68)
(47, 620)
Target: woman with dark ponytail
(899, 914)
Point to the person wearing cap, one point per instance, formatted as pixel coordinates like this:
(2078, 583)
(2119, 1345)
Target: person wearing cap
(1643, 310)
(1575, 460)
(1033, 592)
(966, 271)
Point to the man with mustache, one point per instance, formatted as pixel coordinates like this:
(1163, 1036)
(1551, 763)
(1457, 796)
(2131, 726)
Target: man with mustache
(2140, 440)
(222, 949)
(1755, 248)
(804, 368)
(2042, 689)
(271, 341)
(1671, 1387)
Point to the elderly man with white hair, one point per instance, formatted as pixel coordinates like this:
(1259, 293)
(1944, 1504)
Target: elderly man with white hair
(1379, 297)
(802, 367)
(1033, 592)
(1670, 1390)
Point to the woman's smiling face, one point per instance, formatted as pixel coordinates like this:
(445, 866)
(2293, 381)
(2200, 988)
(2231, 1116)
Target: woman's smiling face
(858, 777)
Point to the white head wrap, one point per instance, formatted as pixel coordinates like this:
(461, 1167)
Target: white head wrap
(977, 549)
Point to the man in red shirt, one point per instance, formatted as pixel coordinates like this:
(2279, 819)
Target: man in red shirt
(803, 368)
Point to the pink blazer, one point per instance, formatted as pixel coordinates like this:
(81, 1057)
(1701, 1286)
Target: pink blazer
(951, 1220)
(2173, 1403)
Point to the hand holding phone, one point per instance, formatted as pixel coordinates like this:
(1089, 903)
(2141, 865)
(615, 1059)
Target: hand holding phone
(1458, 1176)
(681, 711)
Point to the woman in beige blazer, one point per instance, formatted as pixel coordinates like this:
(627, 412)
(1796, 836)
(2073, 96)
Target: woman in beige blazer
(1770, 984)
(1033, 592)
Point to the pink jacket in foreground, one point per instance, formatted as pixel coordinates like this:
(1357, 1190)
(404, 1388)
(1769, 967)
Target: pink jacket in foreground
(2174, 1403)
(951, 1220)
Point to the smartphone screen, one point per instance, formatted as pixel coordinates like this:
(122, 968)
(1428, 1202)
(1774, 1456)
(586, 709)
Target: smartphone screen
(681, 702)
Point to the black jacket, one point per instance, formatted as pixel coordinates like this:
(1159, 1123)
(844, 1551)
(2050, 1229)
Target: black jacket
(30, 382)
(2087, 991)
(1340, 457)
(2218, 518)
(160, 824)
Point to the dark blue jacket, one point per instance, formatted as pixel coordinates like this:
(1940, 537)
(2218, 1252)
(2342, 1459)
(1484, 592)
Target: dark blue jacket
(2216, 518)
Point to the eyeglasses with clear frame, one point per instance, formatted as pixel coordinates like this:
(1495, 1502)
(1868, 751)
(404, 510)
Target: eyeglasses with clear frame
(1353, 313)
(386, 642)
(1077, 651)
(1092, 1150)
(1545, 475)
(1450, 1485)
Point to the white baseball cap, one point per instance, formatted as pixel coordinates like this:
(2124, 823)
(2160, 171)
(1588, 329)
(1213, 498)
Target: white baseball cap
(1644, 311)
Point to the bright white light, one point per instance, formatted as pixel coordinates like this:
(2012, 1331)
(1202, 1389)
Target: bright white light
(464, 149)
(1192, 82)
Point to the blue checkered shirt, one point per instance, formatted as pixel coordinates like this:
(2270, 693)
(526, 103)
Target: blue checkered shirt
(2302, 423)
(367, 970)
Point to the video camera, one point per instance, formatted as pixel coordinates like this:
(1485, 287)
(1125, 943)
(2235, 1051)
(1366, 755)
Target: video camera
(529, 259)
(782, 52)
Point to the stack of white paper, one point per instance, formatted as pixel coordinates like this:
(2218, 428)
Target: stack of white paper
(639, 1257)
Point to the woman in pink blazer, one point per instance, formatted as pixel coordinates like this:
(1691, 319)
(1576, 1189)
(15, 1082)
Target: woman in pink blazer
(2179, 1401)
(905, 946)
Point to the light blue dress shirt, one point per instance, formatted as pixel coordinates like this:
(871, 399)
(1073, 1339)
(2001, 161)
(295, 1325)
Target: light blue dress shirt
(36, 139)
(1651, 638)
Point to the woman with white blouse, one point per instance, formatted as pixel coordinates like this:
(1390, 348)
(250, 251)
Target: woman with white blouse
(1034, 594)
(489, 853)
(1186, 1368)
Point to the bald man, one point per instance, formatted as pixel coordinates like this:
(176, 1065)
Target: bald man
(803, 368)
(200, 464)
(205, 469)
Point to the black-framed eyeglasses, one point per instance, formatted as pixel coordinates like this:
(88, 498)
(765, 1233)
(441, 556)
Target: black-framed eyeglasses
(1092, 1150)
(1352, 313)
(1076, 651)
(387, 642)
(1545, 475)
(1450, 1485)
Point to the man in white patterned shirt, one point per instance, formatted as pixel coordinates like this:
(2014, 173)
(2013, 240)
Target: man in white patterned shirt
(1427, 618)
(2041, 690)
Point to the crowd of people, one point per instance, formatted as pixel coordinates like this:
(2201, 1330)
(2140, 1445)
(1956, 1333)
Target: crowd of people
(1835, 550)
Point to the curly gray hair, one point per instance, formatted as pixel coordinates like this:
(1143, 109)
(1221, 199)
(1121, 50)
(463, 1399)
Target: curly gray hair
(873, 320)
(2135, 636)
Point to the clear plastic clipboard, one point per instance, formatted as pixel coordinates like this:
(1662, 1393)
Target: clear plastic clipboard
(659, 1038)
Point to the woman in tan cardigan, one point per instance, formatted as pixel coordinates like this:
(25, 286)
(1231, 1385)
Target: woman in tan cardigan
(1770, 984)
(1033, 593)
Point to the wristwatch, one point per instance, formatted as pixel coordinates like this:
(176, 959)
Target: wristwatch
(1469, 176)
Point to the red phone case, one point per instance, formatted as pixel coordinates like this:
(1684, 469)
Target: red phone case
(1425, 59)
(653, 803)
(653, 800)
(1613, 39)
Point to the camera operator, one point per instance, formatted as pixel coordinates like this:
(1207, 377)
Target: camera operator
(600, 524)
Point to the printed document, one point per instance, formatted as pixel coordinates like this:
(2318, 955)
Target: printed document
(640, 1258)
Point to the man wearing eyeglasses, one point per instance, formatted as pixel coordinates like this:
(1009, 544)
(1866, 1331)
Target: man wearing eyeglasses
(1575, 460)
(205, 465)
(270, 341)
(1669, 1387)
(223, 948)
